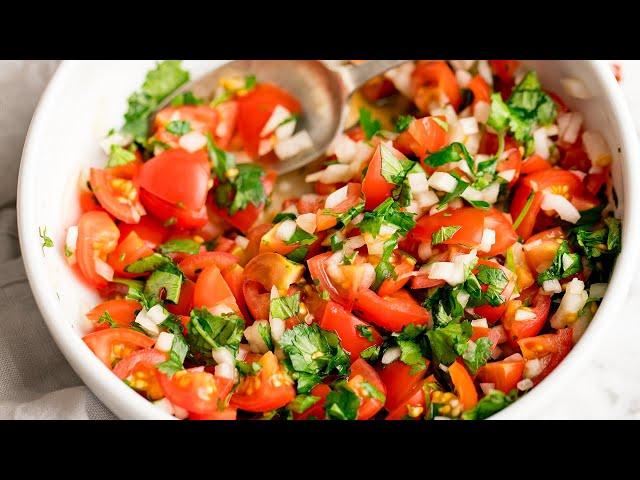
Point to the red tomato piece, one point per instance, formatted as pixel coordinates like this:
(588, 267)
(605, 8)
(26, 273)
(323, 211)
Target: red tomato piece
(129, 250)
(505, 234)
(150, 230)
(317, 409)
(211, 290)
(171, 214)
(193, 265)
(104, 343)
(118, 196)
(392, 313)
(195, 391)
(361, 372)
(469, 219)
(185, 302)
(257, 298)
(147, 356)
(431, 78)
(504, 374)
(97, 237)
(399, 382)
(556, 345)
(374, 186)
(123, 312)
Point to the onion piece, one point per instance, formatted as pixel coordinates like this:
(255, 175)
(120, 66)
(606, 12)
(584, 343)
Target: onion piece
(596, 148)
(307, 222)
(103, 269)
(294, 145)
(164, 342)
(336, 198)
(391, 355)
(279, 115)
(576, 88)
(286, 230)
(564, 208)
(193, 141)
(443, 181)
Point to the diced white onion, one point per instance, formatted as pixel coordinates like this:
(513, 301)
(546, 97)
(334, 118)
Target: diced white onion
(516, 357)
(485, 71)
(220, 309)
(336, 198)
(490, 194)
(294, 145)
(463, 78)
(243, 350)
(286, 230)
(573, 300)
(285, 130)
(148, 325)
(279, 115)
(242, 242)
(364, 152)
(443, 181)
(596, 148)
(157, 314)
(427, 199)
(117, 138)
(266, 145)
(462, 64)
(488, 239)
(367, 275)
(469, 125)
(391, 355)
(225, 370)
(487, 388)
(576, 88)
(523, 314)
(443, 367)
(164, 405)
(507, 175)
(446, 271)
(418, 182)
(334, 173)
(481, 111)
(463, 298)
(552, 286)
(252, 334)
(472, 142)
(222, 355)
(277, 328)
(569, 126)
(480, 322)
(192, 141)
(307, 222)
(353, 243)
(501, 333)
(524, 385)
(424, 251)
(342, 147)
(471, 194)
(597, 290)
(533, 368)
(164, 342)
(401, 78)
(564, 208)
(103, 269)
(541, 143)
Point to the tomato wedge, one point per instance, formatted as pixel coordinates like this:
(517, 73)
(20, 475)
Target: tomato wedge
(411, 408)
(400, 382)
(430, 79)
(146, 356)
(121, 311)
(118, 196)
(129, 250)
(505, 374)
(171, 214)
(97, 237)
(270, 389)
(505, 234)
(392, 313)
(150, 230)
(211, 290)
(185, 302)
(469, 219)
(423, 136)
(195, 391)
(351, 330)
(494, 313)
(316, 410)
(374, 186)
(361, 372)
(193, 265)
(480, 88)
(555, 345)
(326, 218)
(463, 385)
(112, 344)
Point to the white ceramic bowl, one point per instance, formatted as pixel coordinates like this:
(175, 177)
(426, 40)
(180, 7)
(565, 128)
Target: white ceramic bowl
(85, 99)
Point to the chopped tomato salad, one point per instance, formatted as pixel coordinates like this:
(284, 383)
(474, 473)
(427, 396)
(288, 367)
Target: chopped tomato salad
(447, 261)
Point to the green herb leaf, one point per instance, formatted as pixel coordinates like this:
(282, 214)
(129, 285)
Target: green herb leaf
(403, 122)
(147, 264)
(106, 318)
(119, 156)
(368, 124)
(451, 153)
(264, 329)
(302, 403)
(449, 341)
(180, 245)
(46, 240)
(250, 81)
(342, 403)
(387, 212)
(365, 331)
(385, 269)
(186, 98)
(477, 354)
(162, 285)
(444, 234)
(614, 236)
(371, 353)
(206, 331)
(564, 265)
(178, 353)
(248, 369)
(248, 187)
(299, 254)
(393, 169)
(280, 217)
(301, 237)
(178, 127)
(285, 307)
(490, 404)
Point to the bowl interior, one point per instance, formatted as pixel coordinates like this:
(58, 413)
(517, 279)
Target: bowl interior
(86, 99)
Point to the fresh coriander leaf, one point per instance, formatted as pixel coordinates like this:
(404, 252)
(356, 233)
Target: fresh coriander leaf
(342, 403)
(264, 329)
(564, 265)
(614, 235)
(365, 331)
(449, 341)
(163, 285)
(178, 353)
(173, 325)
(178, 127)
(371, 353)
(372, 392)
(530, 101)
(452, 153)
(344, 219)
(393, 169)
(106, 318)
(248, 369)
(147, 264)
(477, 354)
(496, 281)
(444, 234)
(411, 352)
(335, 244)
(248, 187)
(592, 242)
(403, 122)
(119, 156)
(524, 211)
(206, 331)
(299, 254)
(283, 216)
(302, 403)
(221, 161)
(250, 81)
(368, 124)
(186, 98)
(387, 212)
(490, 404)
(180, 245)
(461, 186)
(385, 269)
(301, 237)
(285, 307)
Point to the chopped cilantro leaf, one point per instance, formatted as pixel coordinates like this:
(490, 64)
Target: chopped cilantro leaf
(285, 307)
(178, 127)
(369, 125)
(444, 234)
(403, 122)
(119, 156)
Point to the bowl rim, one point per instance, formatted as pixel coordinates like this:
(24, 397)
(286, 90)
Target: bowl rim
(126, 403)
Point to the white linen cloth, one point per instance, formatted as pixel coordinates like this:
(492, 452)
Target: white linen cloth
(36, 382)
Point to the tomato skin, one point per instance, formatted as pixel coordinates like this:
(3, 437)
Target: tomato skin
(374, 186)
(316, 410)
(201, 118)
(512, 162)
(378, 88)
(422, 137)
(123, 312)
(399, 382)
(505, 234)
(257, 299)
(234, 276)
(326, 221)
(186, 389)
(255, 108)
(166, 212)
(95, 227)
(362, 371)
(102, 342)
(491, 313)
(337, 319)
(226, 414)
(185, 302)
(557, 345)
(211, 290)
(470, 219)
(147, 356)
(392, 313)
(227, 116)
(274, 390)
(129, 250)
(463, 385)
(525, 228)
(540, 249)
(403, 265)
(504, 374)
(435, 76)
(193, 265)
(504, 69)
(423, 281)
(318, 271)
(89, 202)
(150, 230)
(480, 88)
(534, 163)
(177, 177)
(109, 196)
